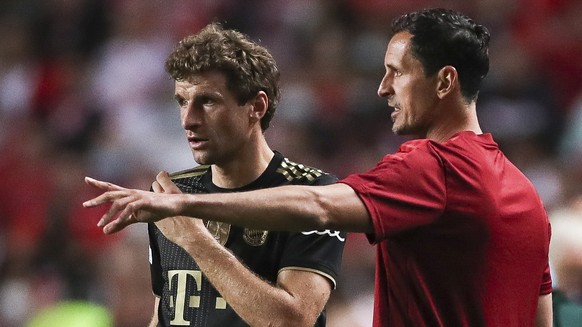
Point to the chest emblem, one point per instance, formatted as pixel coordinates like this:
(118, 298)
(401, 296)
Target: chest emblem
(219, 231)
(255, 237)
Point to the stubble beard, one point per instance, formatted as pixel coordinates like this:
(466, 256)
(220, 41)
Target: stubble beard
(399, 127)
(405, 128)
(201, 157)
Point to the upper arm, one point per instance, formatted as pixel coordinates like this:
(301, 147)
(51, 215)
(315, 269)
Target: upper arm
(544, 311)
(346, 211)
(311, 290)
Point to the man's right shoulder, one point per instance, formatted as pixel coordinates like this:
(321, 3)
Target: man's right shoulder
(191, 172)
(298, 173)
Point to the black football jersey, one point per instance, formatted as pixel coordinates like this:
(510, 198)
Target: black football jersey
(187, 298)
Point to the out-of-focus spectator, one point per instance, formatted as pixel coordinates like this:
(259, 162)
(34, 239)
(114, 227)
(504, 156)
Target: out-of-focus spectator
(72, 314)
(552, 32)
(570, 147)
(566, 263)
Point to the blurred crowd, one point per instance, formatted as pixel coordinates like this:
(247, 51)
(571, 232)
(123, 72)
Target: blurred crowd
(83, 92)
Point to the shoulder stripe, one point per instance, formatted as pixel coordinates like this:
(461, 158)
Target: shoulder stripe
(192, 172)
(292, 170)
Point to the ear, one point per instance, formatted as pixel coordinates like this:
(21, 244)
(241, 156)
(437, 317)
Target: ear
(259, 105)
(447, 81)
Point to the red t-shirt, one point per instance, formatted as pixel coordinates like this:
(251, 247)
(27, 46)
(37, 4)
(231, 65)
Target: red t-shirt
(462, 235)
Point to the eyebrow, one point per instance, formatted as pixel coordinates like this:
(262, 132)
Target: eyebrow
(201, 96)
(391, 66)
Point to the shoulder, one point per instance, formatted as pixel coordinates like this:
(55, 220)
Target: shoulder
(462, 144)
(189, 173)
(467, 141)
(300, 173)
(415, 160)
(419, 152)
(190, 180)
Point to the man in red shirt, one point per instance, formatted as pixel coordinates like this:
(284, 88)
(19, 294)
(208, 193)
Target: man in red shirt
(462, 236)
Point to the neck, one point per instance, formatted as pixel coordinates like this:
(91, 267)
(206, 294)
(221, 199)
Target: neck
(457, 119)
(245, 167)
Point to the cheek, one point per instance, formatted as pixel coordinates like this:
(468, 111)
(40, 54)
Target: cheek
(419, 95)
(229, 128)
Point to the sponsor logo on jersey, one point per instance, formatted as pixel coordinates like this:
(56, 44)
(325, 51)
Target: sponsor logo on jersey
(255, 237)
(219, 230)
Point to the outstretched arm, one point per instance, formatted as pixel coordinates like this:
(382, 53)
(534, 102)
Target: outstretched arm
(296, 300)
(292, 207)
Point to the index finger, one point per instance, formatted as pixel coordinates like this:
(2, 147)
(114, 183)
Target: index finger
(102, 185)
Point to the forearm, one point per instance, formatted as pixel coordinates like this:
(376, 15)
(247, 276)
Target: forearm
(544, 316)
(292, 208)
(255, 300)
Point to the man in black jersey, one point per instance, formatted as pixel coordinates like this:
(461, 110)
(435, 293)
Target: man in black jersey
(212, 274)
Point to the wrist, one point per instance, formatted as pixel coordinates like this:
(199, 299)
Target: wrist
(180, 205)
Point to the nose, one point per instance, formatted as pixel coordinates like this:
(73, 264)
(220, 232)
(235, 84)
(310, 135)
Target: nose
(385, 88)
(189, 117)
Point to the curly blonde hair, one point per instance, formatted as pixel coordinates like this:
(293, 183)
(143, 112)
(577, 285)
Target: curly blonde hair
(249, 67)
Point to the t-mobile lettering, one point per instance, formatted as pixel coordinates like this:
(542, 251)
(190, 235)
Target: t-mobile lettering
(179, 303)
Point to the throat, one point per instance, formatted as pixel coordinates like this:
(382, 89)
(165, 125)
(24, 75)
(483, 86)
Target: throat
(241, 172)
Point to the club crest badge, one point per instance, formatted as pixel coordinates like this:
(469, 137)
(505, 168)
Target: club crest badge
(219, 230)
(255, 237)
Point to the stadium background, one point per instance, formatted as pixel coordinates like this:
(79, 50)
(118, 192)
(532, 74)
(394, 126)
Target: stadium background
(83, 92)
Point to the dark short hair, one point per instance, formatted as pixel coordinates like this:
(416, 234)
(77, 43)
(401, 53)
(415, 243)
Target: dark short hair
(442, 37)
(249, 67)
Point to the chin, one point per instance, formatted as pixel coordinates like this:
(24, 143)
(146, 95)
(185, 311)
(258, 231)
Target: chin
(404, 130)
(398, 130)
(201, 158)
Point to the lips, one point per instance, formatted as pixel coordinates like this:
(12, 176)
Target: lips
(394, 113)
(197, 142)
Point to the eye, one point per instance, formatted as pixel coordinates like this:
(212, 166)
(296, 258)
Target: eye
(181, 101)
(393, 71)
(207, 101)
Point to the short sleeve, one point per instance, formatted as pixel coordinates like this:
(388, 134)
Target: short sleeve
(546, 286)
(316, 251)
(405, 190)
